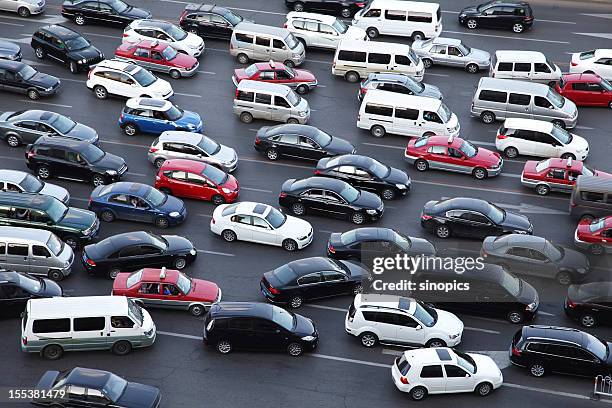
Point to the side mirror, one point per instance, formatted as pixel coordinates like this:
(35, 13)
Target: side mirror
(277, 331)
(419, 327)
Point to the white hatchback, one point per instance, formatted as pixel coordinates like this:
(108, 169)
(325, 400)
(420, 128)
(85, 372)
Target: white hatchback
(321, 30)
(595, 61)
(260, 223)
(444, 371)
(160, 30)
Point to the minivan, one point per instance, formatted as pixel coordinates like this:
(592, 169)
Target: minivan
(262, 100)
(53, 326)
(591, 197)
(414, 19)
(259, 42)
(356, 59)
(524, 65)
(36, 252)
(499, 99)
(383, 112)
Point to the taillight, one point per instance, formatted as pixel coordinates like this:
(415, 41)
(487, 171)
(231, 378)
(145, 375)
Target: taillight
(364, 90)
(317, 172)
(573, 63)
(31, 154)
(273, 290)
(89, 74)
(257, 140)
(285, 25)
(213, 221)
(404, 380)
(426, 217)
(516, 352)
(331, 249)
(153, 149)
(90, 262)
(125, 35)
(24, 341)
(236, 95)
(283, 194)
(89, 202)
(572, 205)
(570, 304)
(182, 16)
(360, 4)
(502, 137)
(493, 75)
(157, 178)
(121, 116)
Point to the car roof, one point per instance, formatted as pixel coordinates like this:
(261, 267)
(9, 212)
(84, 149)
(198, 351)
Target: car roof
(79, 306)
(559, 163)
(402, 5)
(446, 41)
(305, 130)
(62, 142)
(180, 135)
(323, 18)
(154, 275)
(38, 201)
(263, 66)
(352, 159)
(191, 166)
(148, 103)
(319, 182)
(261, 29)
(307, 265)
(13, 66)
(35, 114)
(582, 78)
(206, 8)
(13, 176)
(61, 31)
(87, 377)
(528, 241)
(389, 98)
(426, 356)
(519, 56)
(566, 334)
(593, 184)
(529, 124)
(125, 187)
(372, 233)
(252, 208)
(128, 67)
(388, 76)
(242, 309)
(382, 302)
(349, 44)
(463, 203)
(512, 85)
(603, 53)
(126, 238)
(22, 234)
(444, 140)
(150, 23)
(248, 84)
(489, 273)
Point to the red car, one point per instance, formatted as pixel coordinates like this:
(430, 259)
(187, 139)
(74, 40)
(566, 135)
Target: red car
(299, 79)
(156, 56)
(594, 236)
(167, 288)
(194, 179)
(555, 174)
(453, 154)
(585, 89)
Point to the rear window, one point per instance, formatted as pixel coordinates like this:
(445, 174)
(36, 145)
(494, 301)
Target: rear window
(354, 56)
(592, 196)
(421, 141)
(348, 237)
(51, 325)
(403, 365)
(493, 96)
(229, 210)
(284, 274)
(587, 54)
(245, 96)
(244, 37)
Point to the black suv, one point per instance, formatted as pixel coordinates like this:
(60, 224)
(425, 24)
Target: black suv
(67, 46)
(73, 225)
(261, 326)
(22, 78)
(346, 8)
(58, 157)
(498, 14)
(590, 303)
(546, 349)
(111, 12)
(17, 288)
(207, 20)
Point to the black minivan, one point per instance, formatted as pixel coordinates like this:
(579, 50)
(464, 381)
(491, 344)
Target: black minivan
(258, 326)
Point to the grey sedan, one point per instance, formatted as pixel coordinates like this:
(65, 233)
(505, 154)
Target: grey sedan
(10, 51)
(451, 52)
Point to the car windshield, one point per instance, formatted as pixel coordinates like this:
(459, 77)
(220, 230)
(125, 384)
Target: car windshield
(215, 175)
(209, 145)
(174, 113)
(284, 274)
(402, 241)
(379, 170)
(291, 41)
(466, 362)
(251, 70)
(483, 6)
(184, 283)
(62, 124)
(135, 311)
(465, 50)
(93, 153)
(177, 33)
(543, 165)
(322, 138)
(561, 135)
(158, 241)
(444, 113)
(597, 225)
(31, 184)
(340, 26)
(77, 43)
(587, 171)
(283, 318)
(605, 84)
(348, 237)
(55, 245)
(155, 197)
(554, 252)
(30, 283)
(114, 387)
(413, 57)
(56, 210)
(118, 5)
(276, 218)
(511, 283)
(496, 214)
(133, 279)
(290, 72)
(169, 53)
(293, 98)
(27, 72)
(414, 86)
(144, 77)
(425, 314)
(555, 98)
(233, 18)
(468, 149)
(596, 346)
(350, 193)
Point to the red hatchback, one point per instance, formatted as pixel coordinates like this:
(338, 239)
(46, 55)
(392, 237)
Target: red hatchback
(193, 179)
(156, 56)
(167, 288)
(453, 154)
(555, 174)
(594, 236)
(585, 89)
(299, 79)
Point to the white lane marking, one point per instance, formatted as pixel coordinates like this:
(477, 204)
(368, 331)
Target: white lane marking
(383, 145)
(555, 21)
(349, 360)
(326, 232)
(136, 174)
(607, 36)
(10, 158)
(259, 190)
(481, 330)
(482, 143)
(608, 16)
(12, 24)
(450, 12)
(510, 175)
(507, 37)
(552, 392)
(438, 75)
(202, 251)
(46, 103)
(207, 72)
(71, 80)
(392, 352)
(248, 159)
(189, 95)
(104, 35)
(335, 309)
(184, 336)
(38, 63)
(546, 313)
(79, 199)
(495, 191)
(584, 127)
(25, 40)
(123, 143)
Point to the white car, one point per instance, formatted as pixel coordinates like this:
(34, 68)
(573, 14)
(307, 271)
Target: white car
(595, 61)
(25, 8)
(260, 223)
(321, 30)
(445, 371)
(160, 30)
(539, 138)
(127, 80)
(377, 318)
(22, 182)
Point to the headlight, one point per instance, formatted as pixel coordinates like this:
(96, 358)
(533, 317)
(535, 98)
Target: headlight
(531, 307)
(371, 212)
(192, 251)
(111, 172)
(302, 114)
(174, 214)
(83, 61)
(88, 230)
(191, 126)
(581, 270)
(309, 338)
(296, 55)
(226, 190)
(302, 238)
(48, 89)
(400, 186)
(520, 232)
(454, 336)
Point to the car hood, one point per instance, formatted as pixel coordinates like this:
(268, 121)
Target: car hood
(192, 40)
(432, 91)
(110, 162)
(470, 10)
(339, 146)
(189, 117)
(479, 55)
(517, 221)
(574, 260)
(137, 13)
(304, 75)
(368, 200)
(78, 218)
(86, 53)
(139, 396)
(295, 227)
(528, 293)
(51, 289)
(569, 107)
(225, 154)
(448, 322)
(83, 132)
(184, 60)
(9, 48)
(55, 191)
(609, 359)
(303, 326)
(397, 176)
(485, 366)
(177, 243)
(578, 143)
(486, 157)
(161, 86)
(43, 80)
(172, 204)
(421, 246)
(355, 33)
(204, 290)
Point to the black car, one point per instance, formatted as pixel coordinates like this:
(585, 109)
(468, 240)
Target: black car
(135, 250)
(208, 20)
(516, 16)
(10, 51)
(258, 326)
(111, 12)
(367, 174)
(546, 349)
(66, 46)
(87, 387)
(370, 242)
(346, 8)
(58, 157)
(471, 218)
(493, 292)
(590, 303)
(299, 141)
(312, 278)
(17, 288)
(334, 198)
(21, 78)
(73, 225)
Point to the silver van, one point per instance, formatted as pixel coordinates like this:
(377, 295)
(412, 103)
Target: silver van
(500, 99)
(263, 100)
(35, 251)
(591, 197)
(259, 42)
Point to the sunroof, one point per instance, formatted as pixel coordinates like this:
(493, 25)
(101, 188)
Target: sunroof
(260, 208)
(443, 354)
(152, 102)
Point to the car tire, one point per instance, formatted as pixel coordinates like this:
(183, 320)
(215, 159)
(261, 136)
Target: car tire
(358, 218)
(52, 352)
(293, 121)
(559, 123)
(568, 156)
(299, 7)
(13, 141)
(100, 92)
(130, 129)
(218, 199)
(487, 117)
(388, 194)
(23, 12)
(71, 241)
(296, 302)
(378, 131)
(345, 12)
(290, 245)
(564, 278)
(197, 310)
(39, 52)
(480, 173)
(193, 30)
(80, 20)
(44, 172)
(368, 339)
(372, 32)
(418, 393)
(242, 58)
(113, 272)
(483, 389)
(588, 320)
(518, 28)
(295, 349)
(443, 231)
(302, 89)
(179, 263)
(175, 74)
(542, 189)
(272, 154)
(537, 369)
(596, 250)
(511, 152)
(298, 209)
(224, 346)
(427, 63)
(610, 105)
(98, 180)
(515, 316)
(121, 348)
(352, 77)
(33, 94)
(246, 117)
(418, 36)
(421, 165)
(159, 162)
(55, 275)
(471, 24)
(472, 68)
(162, 222)
(229, 235)
(435, 343)
(74, 68)
(289, 63)
(107, 216)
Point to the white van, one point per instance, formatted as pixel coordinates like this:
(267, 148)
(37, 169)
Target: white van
(355, 60)
(269, 101)
(51, 326)
(524, 65)
(384, 112)
(398, 17)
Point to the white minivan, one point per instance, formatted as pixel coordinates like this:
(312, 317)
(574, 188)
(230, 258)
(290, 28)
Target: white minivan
(321, 30)
(383, 112)
(418, 20)
(524, 65)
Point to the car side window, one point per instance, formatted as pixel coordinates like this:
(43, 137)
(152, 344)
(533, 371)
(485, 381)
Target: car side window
(519, 99)
(242, 219)
(522, 66)
(441, 150)
(76, 393)
(406, 113)
(266, 75)
(289, 139)
(264, 41)
(454, 153)
(156, 56)
(594, 87)
(431, 117)
(149, 250)
(240, 323)
(333, 197)
(406, 321)
(453, 371)
(216, 19)
(475, 217)
(403, 60)
(325, 29)
(260, 222)
(579, 86)
(196, 179)
(96, 396)
(121, 322)
(264, 325)
(314, 194)
(119, 199)
(431, 371)
(310, 279)
(306, 142)
(39, 250)
(582, 354)
(169, 289)
(74, 157)
(333, 276)
(557, 174)
(263, 98)
(454, 51)
(542, 102)
(18, 249)
(541, 67)
(438, 49)
(311, 26)
(280, 101)
(129, 251)
(141, 52)
(372, 13)
(149, 288)
(518, 251)
(26, 125)
(537, 255)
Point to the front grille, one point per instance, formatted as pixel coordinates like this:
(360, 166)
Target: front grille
(123, 169)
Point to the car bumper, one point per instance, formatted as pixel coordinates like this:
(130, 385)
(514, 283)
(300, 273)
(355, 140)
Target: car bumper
(173, 221)
(396, 375)
(528, 183)
(494, 172)
(305, 242)
(186, 73)
(410, 159)
(231, 167)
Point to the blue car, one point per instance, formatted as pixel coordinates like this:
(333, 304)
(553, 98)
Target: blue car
(154, 116)
(137, 202)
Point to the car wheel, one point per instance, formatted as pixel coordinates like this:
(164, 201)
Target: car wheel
(33, 94)
(418, 36)
(293, 121)
(197, 310)
(443, 232)
(472, 24)
(52, 352)
(121, 348)
(43, 172)
(162, 222)
(180, 263)
(487, 117)
(246, 117)
(79, 20)
(100, 92)
(39, 52)
(515, 316)
(242, 59)
(130, 129)
(518, 28)
(296, 302)
(290, 245)
(159, 162)
(289, 63)
(298, 209)
(435, 343)
(542, 189)
(113, 272)
(298, 6)
(483, 389)
(345, 12)
(74, 68)
(368, 339)
(23, 12)
(418, 393)
(193, 30)
(479, 173)
(352, 77)
(596, 249)
(174, 74)
(421, 165)
(427, 63)
(372, 32)
(107, 216)
(388, 194)
(295, 349)
(272, 154)
(98, 180)
(218, 199)
(472, 68)
(568, 156)
(224, 346)
(378, 131)
(72, 242)
(559, 123)
(511, 152)
(537, 369)
(55, 275)
(357, 289)
(302, 89)
(358, 218)
(610, 105)
(229, 235)
(564, 278)
(13, 141)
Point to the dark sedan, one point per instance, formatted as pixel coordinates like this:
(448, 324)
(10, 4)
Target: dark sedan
(514, 15)
(367, 174)
(10, 51)
(346, 8)
(21, 78)
(471, 218)
(111, 12)
(590, 303)
(299, 141)
(103, 389)
(372, 242)
(312, 278)
(17, 288)
(135, 250)
(331, 197)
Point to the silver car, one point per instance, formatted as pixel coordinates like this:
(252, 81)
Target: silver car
(22, 182)
(25, 8)
(176, 144)
(451, 52)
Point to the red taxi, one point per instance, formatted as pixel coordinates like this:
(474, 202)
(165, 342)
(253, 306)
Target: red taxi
(167, 288)
(585, 89)
(157, 56)
(555, 174)
(453, 154)
(594, 236)
(299, 79)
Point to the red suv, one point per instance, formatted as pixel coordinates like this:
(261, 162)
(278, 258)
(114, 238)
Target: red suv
(585, 89)
(193, 179)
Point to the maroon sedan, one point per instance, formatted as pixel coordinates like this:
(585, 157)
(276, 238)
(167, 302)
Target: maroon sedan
(299, 79)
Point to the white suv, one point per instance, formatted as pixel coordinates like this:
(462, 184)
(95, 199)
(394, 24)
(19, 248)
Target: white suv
(595, 61)
(444, 371)
(320, 30)
(179, 39)
(125, 79)
(376, 318)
